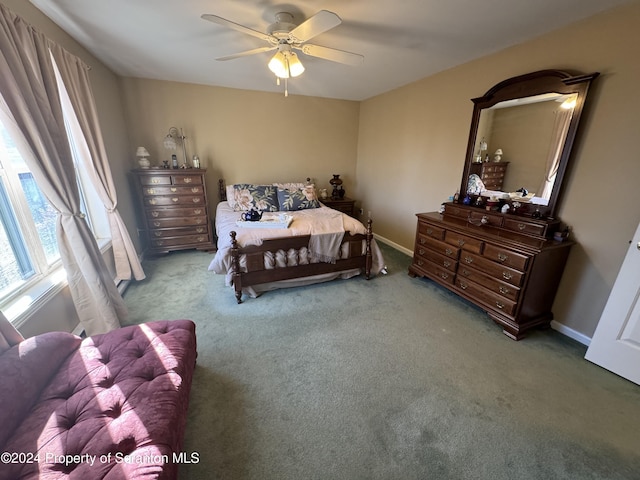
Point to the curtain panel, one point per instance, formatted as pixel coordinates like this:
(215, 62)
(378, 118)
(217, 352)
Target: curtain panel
(30, 92)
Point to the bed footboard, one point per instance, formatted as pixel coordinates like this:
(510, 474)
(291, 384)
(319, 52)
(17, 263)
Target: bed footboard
(256, 272)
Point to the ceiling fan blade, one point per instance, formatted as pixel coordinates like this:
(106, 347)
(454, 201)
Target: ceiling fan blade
(332, 54)
(320, 22)
(246, 53)
(236, 26)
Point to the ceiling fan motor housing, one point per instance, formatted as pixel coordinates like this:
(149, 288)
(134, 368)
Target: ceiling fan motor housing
(283, 25)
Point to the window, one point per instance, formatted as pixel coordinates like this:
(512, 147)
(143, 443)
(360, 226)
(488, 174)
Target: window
(28, 246)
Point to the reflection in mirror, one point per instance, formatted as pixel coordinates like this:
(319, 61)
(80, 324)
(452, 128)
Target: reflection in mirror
(525, 134)
(522, 133)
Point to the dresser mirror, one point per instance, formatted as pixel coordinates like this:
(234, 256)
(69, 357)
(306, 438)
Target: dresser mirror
(522, 131)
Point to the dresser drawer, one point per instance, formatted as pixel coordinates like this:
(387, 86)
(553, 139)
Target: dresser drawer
(437, 246)
(492, 269)
(486, 296)
(180, 200)
(155, 190)
(426, 254)
(504, 289)
(463, 241)
(431, 231)
(174, 232)
(520, 226)
(186, 179)
(178, 222)
(443, 275)
(180, 241)
(505, 257)
(175, 212)
(155, 180)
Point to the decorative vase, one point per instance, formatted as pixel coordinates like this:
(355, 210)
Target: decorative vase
(336, 182)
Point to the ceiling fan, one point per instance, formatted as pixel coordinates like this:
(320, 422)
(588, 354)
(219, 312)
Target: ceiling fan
(285, 36)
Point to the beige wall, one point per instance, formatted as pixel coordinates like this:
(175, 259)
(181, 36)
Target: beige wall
(412, 143)
(246, 136)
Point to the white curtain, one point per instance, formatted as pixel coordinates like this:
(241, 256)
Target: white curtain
(560, 129)
(29, 89)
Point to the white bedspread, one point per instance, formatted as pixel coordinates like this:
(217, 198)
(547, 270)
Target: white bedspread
(325, 225)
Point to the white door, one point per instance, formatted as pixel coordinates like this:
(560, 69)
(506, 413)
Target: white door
(616, 342)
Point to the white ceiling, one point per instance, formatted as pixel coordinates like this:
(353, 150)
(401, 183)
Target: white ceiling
(402, 40)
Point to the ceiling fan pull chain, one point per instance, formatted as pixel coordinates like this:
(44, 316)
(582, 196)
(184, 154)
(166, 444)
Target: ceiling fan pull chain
(286, 87)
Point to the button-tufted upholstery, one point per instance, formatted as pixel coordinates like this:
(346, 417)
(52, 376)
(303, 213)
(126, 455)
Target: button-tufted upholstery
(117, 400)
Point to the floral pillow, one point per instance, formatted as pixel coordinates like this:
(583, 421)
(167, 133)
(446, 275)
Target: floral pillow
(300, 199)
(245, 196)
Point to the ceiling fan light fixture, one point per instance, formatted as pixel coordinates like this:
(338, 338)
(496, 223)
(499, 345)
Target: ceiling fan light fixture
(278, 65)
(295, 65)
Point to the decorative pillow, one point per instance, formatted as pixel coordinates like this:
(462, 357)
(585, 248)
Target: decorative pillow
(246, 196)
(297, 199)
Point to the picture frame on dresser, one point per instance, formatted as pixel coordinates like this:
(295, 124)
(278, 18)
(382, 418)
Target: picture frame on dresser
(173, 211)
(499, 248)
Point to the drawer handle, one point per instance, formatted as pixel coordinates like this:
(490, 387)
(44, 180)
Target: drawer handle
(197, 211)
(500, 305)
(466, 272)
(444, 275)
(422, 241)
(502, 257)
(461, 242)
(468, 260)
(446, 263)
(463, 285)
(156, 224)
(175, 199)
(155, 180)
(151, 191)
(196, 200)
(199, 229)
(420, 263)
(504, 290)
(521, 226)
(174, 189)
(188, 180)
(155, 214)
(201, 239)
(448, 251)
(507, 275)
(157, 234)
(429, 231)
(195, 190)
(198, 221)
(152, 201)
(421, 251)
(160, 243)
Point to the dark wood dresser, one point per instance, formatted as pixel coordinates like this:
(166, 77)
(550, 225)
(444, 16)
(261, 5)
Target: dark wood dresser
(174, 210)
(491, 173)
(508, 265)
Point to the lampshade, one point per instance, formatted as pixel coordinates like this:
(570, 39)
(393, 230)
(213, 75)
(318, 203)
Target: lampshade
(295, 65)
(499, 151)
(142, 152)
(278, 65)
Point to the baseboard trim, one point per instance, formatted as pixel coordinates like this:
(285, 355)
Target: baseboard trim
(571, 333)
(393, 244)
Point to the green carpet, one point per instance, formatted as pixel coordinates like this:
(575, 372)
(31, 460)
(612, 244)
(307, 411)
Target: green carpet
(392, 378)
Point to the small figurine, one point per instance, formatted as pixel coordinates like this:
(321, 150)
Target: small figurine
(505, 208)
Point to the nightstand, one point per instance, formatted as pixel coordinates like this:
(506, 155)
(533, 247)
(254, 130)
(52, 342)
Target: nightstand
(345, 205)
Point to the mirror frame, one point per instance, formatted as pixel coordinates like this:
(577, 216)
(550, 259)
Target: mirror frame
(528, 85)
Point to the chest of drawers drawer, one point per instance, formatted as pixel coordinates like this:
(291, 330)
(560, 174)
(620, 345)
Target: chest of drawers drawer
(437, 246)
(499, 287)
(487, 297)
(178, 200)
(175, 212)
(178, 222)
(444, 261)
(504, 256)
(464, 242)
(492, 269)
(175, 190)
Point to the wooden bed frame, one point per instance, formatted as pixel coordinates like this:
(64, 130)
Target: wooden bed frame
(255, 265)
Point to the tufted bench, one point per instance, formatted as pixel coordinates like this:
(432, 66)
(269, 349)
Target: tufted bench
(110, 406)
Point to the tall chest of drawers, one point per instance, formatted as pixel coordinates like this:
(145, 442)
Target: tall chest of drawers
(174, 210)
(508, 266)
(491, 173)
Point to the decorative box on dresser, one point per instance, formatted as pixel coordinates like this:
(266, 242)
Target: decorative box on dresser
(174, 209)
(509, 266)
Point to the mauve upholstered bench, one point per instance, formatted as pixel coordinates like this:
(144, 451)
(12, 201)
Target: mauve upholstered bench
(111, 406)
